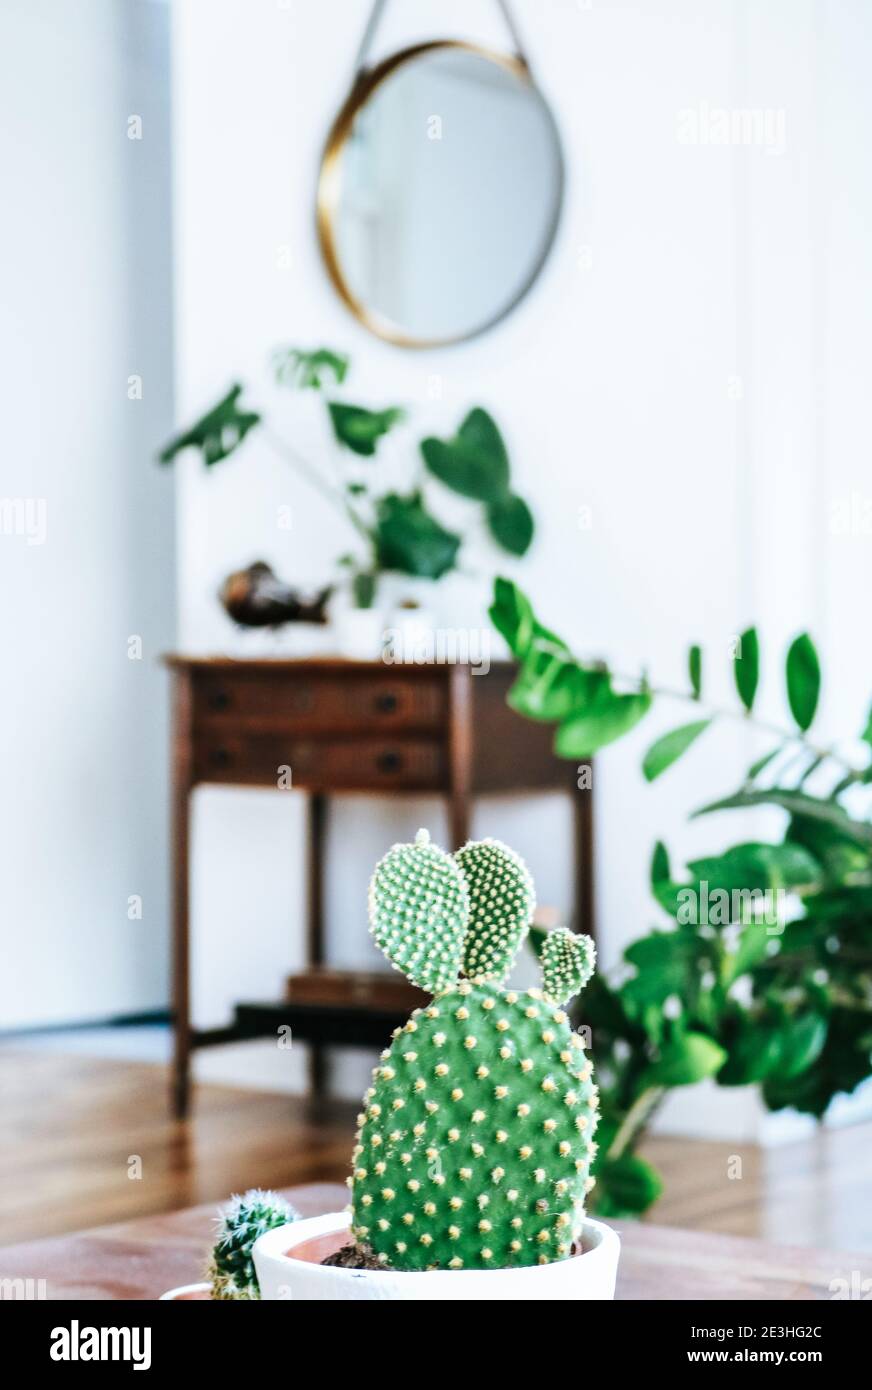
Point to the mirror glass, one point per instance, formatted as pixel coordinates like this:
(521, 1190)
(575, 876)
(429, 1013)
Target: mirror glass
(440, 194)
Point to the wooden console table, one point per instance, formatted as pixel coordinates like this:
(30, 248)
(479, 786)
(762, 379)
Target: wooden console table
(345, 727)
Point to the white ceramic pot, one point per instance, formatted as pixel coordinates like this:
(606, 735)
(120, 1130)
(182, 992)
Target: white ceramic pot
(282, 1275)
(358, 633)
(410, 636)
(188, 1293)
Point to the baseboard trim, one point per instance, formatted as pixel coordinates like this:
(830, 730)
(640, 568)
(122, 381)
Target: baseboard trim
(152, 1017)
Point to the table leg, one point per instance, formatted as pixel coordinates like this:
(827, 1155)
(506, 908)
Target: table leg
(582, 810)
(459, 756)
(318, 1057)
(180, 850)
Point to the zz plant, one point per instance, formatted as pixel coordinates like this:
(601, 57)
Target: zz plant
(733, 988)
(393, 530)
(475, 1143)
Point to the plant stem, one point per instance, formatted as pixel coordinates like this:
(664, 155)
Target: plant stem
(333, 495)
(635, 1120)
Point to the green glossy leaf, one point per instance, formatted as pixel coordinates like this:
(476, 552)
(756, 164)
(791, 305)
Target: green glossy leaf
(670, 747)
(801, 1043)
(308, 371)
(747, 667)
(511, 524)
(757, 767)
(474, 463)
(463, 469)
(839, 856)
(753, 947)
(626, 1186)
(867, 732)
(660, 871)
(663, 962)
(412, 541)
(480, 431)
(360, 429)
(217, 433)
(752, 1055)
(664, 891)
(756, 865)
(799, 804)
(803, 680)
(841, 1066)
(603, 719)
(536, 939)
(549, 686)
(512, 615)
(604, 1011)
(688, 1058)
(694, 670)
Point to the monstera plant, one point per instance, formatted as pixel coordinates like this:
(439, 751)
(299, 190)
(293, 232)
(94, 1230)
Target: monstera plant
(762, 971)
(394, 531)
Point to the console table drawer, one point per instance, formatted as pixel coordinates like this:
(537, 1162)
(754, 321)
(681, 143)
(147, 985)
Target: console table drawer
(320, 764)
(320, 702)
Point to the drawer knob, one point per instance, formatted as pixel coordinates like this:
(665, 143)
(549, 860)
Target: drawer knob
(386, 702)
(220, 757)
(389, 762)
(219, 699)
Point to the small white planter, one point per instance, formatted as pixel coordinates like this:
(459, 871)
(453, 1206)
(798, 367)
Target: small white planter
(358, 633)
(589, 1276)
(188, 1293)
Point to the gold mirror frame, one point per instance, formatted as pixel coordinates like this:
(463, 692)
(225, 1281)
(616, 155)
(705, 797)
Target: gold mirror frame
(330, 185)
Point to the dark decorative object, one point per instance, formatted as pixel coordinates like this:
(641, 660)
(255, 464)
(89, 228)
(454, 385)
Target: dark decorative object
(256, 597)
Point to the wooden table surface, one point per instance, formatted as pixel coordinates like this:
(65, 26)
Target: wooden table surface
(141, 1259)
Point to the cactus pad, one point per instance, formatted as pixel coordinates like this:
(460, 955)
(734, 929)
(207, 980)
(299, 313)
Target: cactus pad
(475, 1145)
(502, 899)
(567, 962)
(418, 911)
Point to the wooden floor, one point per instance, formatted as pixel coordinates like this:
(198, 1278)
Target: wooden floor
(72, 1129)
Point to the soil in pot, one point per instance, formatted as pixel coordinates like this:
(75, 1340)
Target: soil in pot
(334, 1250)
(354, 1257)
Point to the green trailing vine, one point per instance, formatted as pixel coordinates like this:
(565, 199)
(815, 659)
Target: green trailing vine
(762, 974)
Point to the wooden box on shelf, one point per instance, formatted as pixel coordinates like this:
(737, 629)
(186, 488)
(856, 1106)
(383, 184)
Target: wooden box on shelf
(355, 989)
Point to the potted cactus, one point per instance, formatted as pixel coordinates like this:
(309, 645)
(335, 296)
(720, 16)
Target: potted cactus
(230, 1273)
(474, 1146)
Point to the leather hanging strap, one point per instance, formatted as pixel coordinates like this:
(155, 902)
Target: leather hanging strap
(379, 8)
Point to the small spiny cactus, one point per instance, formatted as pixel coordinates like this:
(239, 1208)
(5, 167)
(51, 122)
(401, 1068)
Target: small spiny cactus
(475, 1143)
(238, 1225)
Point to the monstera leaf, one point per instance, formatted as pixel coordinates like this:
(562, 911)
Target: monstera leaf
(412, 541)
(307, 371)
(360, 429)
(475, 464)
(217, 433)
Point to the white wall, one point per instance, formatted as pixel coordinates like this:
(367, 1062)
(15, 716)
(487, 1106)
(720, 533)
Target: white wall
(85, 302)
(688, 367)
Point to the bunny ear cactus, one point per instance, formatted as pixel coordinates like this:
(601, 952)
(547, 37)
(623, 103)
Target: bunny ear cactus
(231, 1268)
(476, 1139)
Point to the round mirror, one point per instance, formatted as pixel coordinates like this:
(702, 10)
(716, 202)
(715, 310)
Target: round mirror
(439, 193)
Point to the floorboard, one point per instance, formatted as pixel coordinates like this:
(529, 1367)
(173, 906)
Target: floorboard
(86, 1141)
